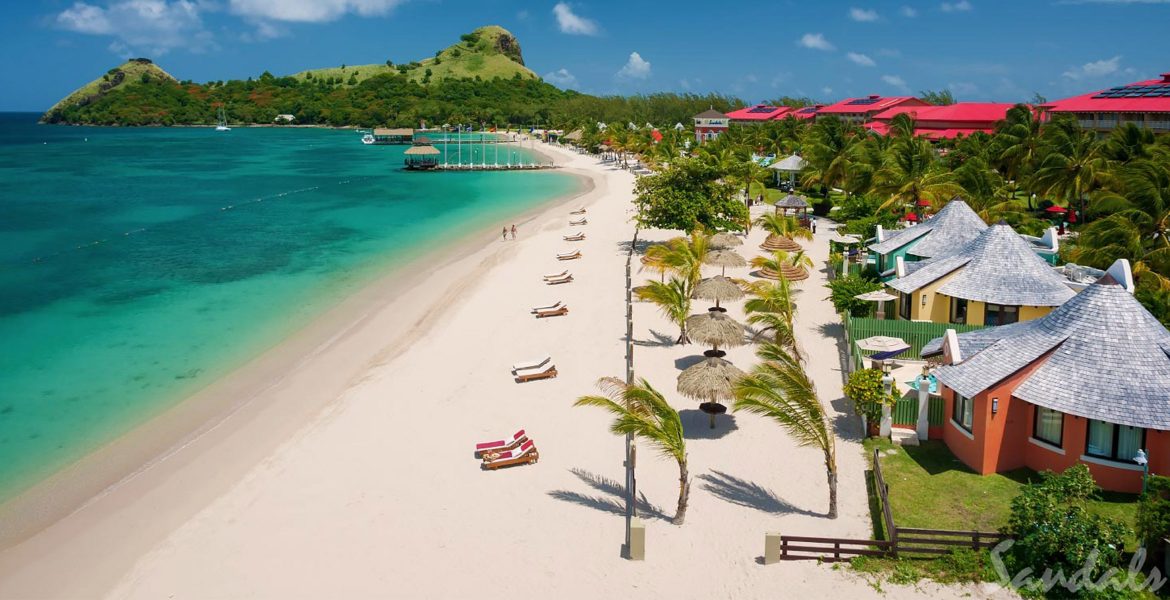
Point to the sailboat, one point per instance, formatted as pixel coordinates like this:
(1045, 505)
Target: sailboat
(222, 124)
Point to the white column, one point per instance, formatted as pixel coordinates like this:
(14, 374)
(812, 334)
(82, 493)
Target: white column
(923, 425)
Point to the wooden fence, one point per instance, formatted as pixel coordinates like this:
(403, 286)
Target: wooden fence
(909, 541)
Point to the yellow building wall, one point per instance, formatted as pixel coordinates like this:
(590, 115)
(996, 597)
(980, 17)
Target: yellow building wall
(937, 308)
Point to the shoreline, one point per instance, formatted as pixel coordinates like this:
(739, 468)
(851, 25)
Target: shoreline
(249, 390)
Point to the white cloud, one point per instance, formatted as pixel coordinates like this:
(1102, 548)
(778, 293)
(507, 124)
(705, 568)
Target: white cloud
(310, 11)
(863, 14)
(1097, 68)
(140, 26)
(962, 88)
(522, 15)
(561, 78)
(572, 23)
(895, 81)
(635, 68)
(908, 12)
(860, 59)
(960, 6)
(827, 90)
(816, 41)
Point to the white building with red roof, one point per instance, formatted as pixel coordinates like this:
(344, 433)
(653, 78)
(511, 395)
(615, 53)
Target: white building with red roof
(1143, 103)
(945, 122)
(862, 110)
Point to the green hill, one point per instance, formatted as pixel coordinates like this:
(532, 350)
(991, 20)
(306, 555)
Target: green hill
(487, 52)
(135, 70)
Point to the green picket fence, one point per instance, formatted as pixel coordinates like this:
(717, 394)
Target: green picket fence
(906, 411)
(916, 333)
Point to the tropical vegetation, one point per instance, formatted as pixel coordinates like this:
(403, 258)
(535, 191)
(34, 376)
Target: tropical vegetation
(640, 410)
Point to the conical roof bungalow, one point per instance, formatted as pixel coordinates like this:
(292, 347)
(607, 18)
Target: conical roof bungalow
(952, 227)
(996, 279)
(1089, 383)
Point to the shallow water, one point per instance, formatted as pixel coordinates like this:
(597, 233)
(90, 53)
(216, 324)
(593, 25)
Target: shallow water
(138, 265)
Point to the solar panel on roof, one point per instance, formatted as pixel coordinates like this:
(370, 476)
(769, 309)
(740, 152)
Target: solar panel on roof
(763, 109)
(862, 102)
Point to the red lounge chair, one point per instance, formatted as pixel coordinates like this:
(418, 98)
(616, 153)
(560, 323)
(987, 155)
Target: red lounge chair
(526, 454)
(501, 445)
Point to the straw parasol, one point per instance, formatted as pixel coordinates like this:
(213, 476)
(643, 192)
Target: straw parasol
(724, 241)
(787, 271)
(710, 379)
(718, 288)
(879, 296)
(715, 328)
(778, 242)
(724, 258)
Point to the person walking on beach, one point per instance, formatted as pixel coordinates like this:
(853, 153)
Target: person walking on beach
(513, 231)
(505, 234)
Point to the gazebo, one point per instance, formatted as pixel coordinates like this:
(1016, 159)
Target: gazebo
(790, 164)
(797, 204)
(422, 157)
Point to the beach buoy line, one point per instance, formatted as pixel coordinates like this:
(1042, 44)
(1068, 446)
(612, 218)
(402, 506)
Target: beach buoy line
(125, 234)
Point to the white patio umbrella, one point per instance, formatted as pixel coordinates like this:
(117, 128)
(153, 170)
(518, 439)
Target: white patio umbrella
(879, 296)
(882, 343)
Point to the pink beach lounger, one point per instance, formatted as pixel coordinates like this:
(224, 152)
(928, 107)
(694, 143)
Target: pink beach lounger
(501, 445)
(526, 454)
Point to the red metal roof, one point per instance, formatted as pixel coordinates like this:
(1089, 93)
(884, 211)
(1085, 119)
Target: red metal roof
(946, 134)
(965, 112)
(870, 104)
(759, 112)
(1155, 99)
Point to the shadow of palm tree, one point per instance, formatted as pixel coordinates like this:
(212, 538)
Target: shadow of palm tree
(697, 425)
(612, 500)
(639, 248)
(660, 340)
(750, 494)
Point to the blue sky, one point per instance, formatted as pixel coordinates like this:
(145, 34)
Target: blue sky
(979, 49)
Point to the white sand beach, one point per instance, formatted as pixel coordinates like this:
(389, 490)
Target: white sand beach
(377, 494)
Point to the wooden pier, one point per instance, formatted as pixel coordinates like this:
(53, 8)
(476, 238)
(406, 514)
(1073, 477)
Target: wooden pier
(490, 167)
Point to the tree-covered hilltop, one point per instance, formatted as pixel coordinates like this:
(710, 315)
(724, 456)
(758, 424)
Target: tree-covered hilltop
(480, 79)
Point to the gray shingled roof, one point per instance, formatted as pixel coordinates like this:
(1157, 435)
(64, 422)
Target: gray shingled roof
(954, 226)
(998, 266)
(1107, 359)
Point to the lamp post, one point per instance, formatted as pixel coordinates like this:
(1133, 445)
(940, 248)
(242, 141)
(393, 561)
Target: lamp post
(1141, 459)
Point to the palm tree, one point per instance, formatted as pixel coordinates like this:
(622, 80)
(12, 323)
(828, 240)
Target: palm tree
(772, 309)
(786, 226)
(641, 411)
(674, 301)
(1071, 163)
(684, 256)
(1017, 141)
(913, 172)
(827, 149)
(779, 389)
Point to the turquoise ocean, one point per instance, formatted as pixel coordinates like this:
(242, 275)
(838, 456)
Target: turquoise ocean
(139, 265)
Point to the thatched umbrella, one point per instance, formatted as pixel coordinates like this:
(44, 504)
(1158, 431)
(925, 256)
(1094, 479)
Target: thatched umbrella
(787, 271)
(715, 328)
(724, 241)
(718, 288)
(779, 242)
(710, 379)
(724, 258)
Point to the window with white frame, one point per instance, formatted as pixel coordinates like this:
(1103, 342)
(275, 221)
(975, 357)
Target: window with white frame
(1048, 426)
(1113, 442)
(964, 411)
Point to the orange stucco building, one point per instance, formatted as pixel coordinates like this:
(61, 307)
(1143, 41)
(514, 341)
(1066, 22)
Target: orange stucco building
(1088, 383)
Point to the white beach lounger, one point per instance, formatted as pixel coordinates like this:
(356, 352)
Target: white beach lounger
(537, 309)
(581, 222)
(565, 279)
(532, 364)
(557, 275)
(574, 238)
(569, 255)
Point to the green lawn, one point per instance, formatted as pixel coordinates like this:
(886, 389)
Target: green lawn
(930, 488)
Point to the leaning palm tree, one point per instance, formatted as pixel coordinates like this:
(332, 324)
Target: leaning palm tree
(641, 411)
(779, 389)
(673, 299)
(912, 172)
(772, 309)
